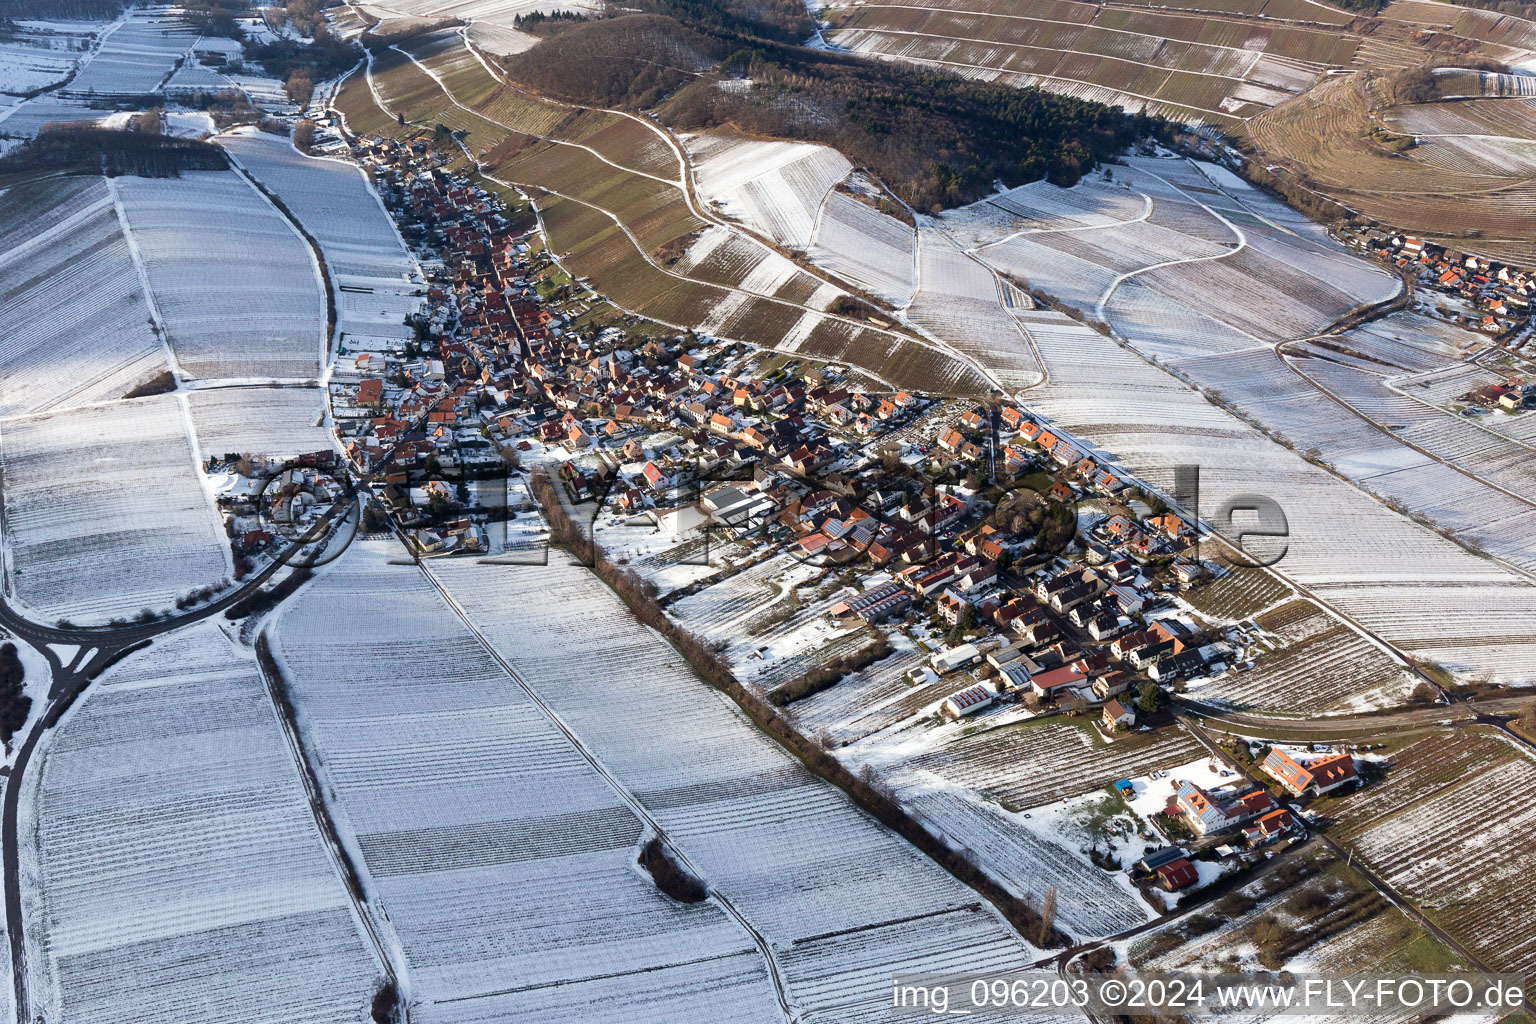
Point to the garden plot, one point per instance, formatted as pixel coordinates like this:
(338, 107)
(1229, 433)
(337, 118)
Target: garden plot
(1462, 855)
(105, 512)
(235, 284)
(172, 869)
(793, 855)
(77, 325)
(1030, 855)
(724, 610)
(1411, 587)
(773, 188)
(376, 280)
(1330, 920)
(873, 251)
(504, 860)
(1028, 765)
(280, 422)
(869, 700)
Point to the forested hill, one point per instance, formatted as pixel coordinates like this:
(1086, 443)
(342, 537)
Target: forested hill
(936, 139)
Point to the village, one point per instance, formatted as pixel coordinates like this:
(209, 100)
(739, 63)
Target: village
(1040, 581)
(1497, 297)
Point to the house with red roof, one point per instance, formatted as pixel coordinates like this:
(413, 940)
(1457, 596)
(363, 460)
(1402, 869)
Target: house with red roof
(1177, 874)
(1315, 776)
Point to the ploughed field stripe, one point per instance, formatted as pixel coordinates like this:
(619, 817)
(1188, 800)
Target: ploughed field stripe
(482, 844)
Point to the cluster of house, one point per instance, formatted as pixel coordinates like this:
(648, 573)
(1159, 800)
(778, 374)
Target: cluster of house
(1501, 294)
(1511, 394)
(267, 502)
(697, 435)
(451, 403)
(1246, 810)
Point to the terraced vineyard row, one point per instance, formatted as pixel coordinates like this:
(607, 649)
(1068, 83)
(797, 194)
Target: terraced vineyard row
(609, 220)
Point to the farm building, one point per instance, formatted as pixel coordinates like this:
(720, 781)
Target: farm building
(1058, 681)
(875, 604)
(1157, 858)
(1316, 776)
(968, 701)
(955, 658)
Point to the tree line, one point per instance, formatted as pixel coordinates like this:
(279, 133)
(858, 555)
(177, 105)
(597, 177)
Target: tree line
(94, 150)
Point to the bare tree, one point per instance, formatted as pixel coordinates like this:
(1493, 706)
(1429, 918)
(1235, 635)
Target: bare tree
(1047, 917)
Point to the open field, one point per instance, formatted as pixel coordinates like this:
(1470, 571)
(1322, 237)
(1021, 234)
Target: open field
(105, 512)
(172, 870)
(235, 285)
(78, 328)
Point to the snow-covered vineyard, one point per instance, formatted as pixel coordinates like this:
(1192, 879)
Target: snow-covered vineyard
(377, 284)
(175, 873)
(77, 327)
(87, 66)
(605, 755)
(105, 512)
(235, 285)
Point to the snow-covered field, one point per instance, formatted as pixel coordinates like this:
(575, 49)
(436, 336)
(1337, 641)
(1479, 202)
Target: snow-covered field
(960, 301)
(172, 870)
(504, 860)
(1453, 838)
(77, 328)
(105, 512)
(858, 243)
(281, 422)
(235, 284)
(773, 188)
(1406, 583)
(136, 56)
(377, 282)
(791, 853)
(36, 54)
